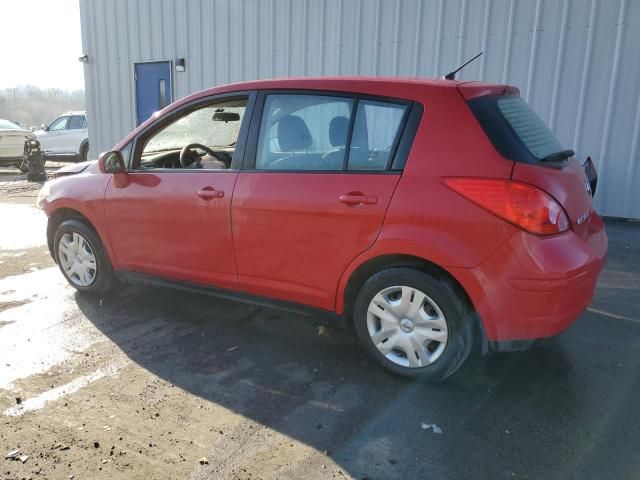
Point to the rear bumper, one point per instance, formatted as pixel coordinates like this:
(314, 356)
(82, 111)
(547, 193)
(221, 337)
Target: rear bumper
(535, 287)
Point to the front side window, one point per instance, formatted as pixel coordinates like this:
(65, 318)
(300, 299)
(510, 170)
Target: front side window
(76, 122)
(204, 138)
(58, 124)
(303, 132)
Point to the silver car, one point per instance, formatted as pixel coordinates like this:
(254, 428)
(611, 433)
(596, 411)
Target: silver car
(66, 138)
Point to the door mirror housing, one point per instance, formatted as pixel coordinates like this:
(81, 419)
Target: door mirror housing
(112, 162)
(44, 127)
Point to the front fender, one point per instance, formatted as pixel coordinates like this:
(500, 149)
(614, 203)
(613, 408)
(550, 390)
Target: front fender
(82, 193)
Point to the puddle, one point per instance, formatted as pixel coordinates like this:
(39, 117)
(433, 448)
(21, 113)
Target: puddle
(24, 227)
(44, 329)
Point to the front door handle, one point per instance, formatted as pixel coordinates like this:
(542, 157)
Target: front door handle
(357, 198)
(209, 192)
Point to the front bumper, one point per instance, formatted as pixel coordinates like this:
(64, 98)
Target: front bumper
(534, 287)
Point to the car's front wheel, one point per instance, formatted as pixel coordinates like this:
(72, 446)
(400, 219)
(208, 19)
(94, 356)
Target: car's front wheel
(82, 258)
(413, 323)
(84, 152)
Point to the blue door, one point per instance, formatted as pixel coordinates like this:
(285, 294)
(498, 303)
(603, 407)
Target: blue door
(153, 88)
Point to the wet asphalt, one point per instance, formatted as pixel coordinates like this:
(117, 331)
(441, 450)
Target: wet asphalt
(567, 408)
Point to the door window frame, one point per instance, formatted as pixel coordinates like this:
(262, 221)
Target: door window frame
(399, 152)
(238, 155)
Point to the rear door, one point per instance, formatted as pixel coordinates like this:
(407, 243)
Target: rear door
(313, 192)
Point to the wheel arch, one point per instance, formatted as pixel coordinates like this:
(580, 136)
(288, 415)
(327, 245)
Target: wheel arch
(60, 215)
(371, 266)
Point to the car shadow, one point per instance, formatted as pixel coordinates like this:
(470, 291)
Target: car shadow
(494, 416)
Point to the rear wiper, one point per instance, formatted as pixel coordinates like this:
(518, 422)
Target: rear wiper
(558, 156)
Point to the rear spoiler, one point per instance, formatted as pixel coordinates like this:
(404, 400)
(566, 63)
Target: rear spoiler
(471, 90)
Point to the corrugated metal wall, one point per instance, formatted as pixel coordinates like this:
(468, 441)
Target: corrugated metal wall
(576, 61)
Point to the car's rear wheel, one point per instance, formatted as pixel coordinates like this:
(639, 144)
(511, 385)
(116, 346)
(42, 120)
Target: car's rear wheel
(413, 323)
(82, 258)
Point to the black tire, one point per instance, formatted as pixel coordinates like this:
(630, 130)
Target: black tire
(104, 278)
(84, 152)
(456, 311)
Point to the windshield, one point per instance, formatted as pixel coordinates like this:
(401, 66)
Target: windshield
(7, 125)
(200, 127)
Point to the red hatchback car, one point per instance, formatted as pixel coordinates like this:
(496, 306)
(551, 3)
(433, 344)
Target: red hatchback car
(433, 214)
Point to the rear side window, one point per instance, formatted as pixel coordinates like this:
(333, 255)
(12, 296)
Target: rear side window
(328, 133)
(303, 132)
(76, 123)
(529, 127)
(375, 133)
(514, 129)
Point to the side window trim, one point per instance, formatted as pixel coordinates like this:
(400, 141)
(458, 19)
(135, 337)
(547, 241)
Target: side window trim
(400, 151)
(407, 136)
(239, 152)
(352, 122)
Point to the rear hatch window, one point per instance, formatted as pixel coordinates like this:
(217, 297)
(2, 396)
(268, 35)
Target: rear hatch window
(516, 131)
(529, 127)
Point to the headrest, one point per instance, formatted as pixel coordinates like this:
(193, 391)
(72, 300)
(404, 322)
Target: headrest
(338, 129)
(293, 134)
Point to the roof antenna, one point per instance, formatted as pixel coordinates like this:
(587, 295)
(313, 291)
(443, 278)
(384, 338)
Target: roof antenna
(452, 75)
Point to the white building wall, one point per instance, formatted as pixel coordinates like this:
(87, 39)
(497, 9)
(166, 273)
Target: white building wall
(576, 61)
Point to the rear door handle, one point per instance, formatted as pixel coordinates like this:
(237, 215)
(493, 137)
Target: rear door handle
(357, 199)
(209, 192)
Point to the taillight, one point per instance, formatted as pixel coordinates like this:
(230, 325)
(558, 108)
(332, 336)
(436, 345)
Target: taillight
(518, 203)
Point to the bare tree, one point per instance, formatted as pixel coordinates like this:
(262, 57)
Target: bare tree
(29, 105)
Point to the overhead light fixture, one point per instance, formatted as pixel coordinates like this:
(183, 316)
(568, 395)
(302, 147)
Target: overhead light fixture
(84, 58)
(180, 65)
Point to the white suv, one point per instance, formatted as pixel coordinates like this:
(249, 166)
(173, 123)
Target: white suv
(66, 137)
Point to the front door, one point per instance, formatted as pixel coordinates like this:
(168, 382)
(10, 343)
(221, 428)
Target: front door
(315, 195)
(153, 88)
(169, 215)
(52, 141)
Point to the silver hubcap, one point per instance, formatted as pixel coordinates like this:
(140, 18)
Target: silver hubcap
(77, 259)
(407, 327)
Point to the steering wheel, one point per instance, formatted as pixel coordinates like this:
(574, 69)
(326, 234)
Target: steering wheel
(187, 159)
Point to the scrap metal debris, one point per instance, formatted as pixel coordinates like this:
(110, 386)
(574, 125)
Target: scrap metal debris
(431, 426)
(15, 455)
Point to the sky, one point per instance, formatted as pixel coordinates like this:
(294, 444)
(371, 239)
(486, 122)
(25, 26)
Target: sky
(40, 44)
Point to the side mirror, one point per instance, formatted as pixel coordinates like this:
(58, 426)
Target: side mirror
(44, 127)
(112, 162)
